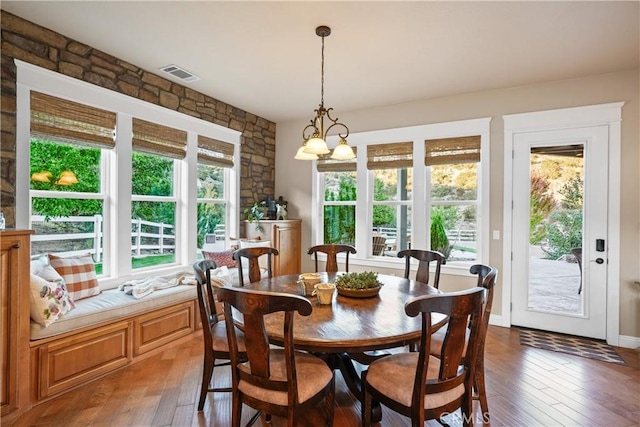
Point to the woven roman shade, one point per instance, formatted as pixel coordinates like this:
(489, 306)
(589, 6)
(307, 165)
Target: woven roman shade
(60, 120)
(215, 153)
(450, 151)
(152, 138)
(390, 156)
(326, 164)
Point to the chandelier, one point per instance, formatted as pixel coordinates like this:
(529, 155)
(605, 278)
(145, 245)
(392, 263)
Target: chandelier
(314, 134)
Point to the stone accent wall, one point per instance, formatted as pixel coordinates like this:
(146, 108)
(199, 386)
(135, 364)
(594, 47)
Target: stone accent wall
(34, 44)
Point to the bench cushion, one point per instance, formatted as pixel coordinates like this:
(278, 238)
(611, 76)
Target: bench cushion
(111, 305)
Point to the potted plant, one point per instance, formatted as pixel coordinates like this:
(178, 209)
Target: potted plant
(359, 285)
(255, 214)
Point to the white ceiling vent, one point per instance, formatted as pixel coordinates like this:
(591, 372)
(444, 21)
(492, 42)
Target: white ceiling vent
(180, 73)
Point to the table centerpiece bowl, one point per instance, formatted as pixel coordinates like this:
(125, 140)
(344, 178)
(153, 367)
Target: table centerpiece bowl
(358, 285)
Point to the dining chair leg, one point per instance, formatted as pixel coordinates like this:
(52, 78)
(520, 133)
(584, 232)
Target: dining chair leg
(366, 402)
(207, 373)
(330, 403)
(482, 395)
(236, 409)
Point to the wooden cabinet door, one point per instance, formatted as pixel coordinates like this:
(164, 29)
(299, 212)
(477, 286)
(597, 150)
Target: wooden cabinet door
(8, 321)
(286, 237)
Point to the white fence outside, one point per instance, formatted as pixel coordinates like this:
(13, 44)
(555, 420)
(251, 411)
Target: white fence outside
(139, 238)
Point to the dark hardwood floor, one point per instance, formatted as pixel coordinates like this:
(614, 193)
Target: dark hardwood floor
(526, 387)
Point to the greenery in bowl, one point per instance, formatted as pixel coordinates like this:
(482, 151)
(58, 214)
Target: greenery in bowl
(363, 280)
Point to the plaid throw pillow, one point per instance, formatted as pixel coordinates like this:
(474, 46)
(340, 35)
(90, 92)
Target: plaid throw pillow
(222, 258)
(79, 275)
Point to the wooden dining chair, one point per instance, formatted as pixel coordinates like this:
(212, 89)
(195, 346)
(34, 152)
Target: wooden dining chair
(214, 331)
(487, 277)
(252, 255)
(417, 384)
(274, 380)
(332, 260)
(424, 258)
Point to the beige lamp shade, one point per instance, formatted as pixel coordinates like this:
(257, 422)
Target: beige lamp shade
(302, 155)
(343, 151)
(316, 145)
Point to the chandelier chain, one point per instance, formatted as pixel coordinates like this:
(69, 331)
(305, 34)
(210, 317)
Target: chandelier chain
(322, 76)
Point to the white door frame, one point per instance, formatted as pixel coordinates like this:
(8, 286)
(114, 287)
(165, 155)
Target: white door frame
(603, 114)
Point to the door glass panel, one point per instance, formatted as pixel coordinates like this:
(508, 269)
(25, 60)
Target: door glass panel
(555, 229)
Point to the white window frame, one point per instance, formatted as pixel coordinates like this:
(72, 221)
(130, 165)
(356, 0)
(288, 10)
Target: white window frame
(117, 179)
(420, 194)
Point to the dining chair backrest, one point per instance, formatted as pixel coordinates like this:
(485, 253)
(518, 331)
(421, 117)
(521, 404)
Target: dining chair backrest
(206, 298)
(436, 387)
(268, 380)
(424, 258)
(486, 278)
(332, 260)
(252, 256)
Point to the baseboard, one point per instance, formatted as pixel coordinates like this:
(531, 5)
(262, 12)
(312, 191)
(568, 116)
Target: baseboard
(495, 319)
(628, 341)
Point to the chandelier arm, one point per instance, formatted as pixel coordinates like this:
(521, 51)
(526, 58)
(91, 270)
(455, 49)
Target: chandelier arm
(305, 136)
(343, 136)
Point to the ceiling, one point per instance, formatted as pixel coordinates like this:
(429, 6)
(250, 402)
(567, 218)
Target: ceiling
(264, 57)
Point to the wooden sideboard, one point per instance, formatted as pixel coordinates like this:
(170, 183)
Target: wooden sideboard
(15, 248)
(286, 237)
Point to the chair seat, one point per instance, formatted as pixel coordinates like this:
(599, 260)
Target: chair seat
(220, 342)
(394, 376)
(313, 375)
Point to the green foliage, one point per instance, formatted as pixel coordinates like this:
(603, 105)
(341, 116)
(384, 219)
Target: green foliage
(439, 240)
(382, 215)
(564, 231)
(572, 192)
(363, 280)
(340, 221)
(209, 216)
(152, 175)
(210, 186)
(56, 158)
(255, 214)
(541, 203)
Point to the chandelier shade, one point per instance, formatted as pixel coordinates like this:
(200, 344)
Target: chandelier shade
(343, 151)
(314, 134)
(302, 155)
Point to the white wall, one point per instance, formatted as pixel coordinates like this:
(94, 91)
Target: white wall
(293, 177)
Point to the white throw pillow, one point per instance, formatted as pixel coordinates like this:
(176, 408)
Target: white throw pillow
(49, 300)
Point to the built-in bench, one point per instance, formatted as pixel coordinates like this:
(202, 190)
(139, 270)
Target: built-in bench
(109, 331)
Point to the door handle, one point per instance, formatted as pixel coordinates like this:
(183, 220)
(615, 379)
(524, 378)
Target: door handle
(599, 261)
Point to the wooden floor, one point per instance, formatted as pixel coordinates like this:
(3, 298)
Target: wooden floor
(526, 387)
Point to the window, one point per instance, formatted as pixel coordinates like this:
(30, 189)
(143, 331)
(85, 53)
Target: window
(116, 177)
(391, 169)
(421, 187)
(215, 158)
(153, 207)
(453, 172)
(339, 201)
(68, 141)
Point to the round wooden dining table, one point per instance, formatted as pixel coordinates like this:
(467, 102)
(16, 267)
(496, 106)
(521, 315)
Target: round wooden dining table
(350, 325)
(351, 329)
